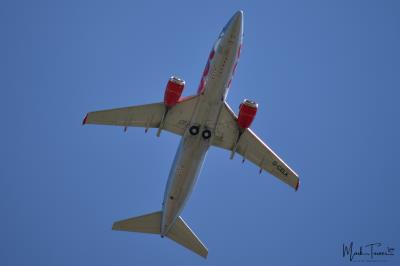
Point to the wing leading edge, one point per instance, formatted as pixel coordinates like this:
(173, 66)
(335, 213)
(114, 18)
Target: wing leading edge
(251, 147)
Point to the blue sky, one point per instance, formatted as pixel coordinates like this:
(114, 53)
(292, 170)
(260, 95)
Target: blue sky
(325, 75)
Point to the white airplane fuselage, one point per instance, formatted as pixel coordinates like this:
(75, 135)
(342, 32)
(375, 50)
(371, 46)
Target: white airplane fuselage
(192, 149)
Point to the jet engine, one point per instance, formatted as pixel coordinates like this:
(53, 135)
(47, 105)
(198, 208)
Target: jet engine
(247, 113)
(173, 91)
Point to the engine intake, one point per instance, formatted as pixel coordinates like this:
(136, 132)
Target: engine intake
(247, 113)
(173, 91)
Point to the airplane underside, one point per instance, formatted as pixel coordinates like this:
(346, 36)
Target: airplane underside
(202, 120)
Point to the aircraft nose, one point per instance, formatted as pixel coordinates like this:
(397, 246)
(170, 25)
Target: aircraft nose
(238, 17)
(235, 24)
(237, 20)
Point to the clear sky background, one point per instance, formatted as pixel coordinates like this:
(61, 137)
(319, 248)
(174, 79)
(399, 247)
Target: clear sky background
(326, 75)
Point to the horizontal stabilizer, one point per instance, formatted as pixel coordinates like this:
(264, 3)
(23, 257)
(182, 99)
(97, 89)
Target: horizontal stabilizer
(183, 235)
(180, 232)
(148, 223)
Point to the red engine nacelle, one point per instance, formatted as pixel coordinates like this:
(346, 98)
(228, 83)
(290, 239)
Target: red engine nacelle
(173, 91)
(247, 113)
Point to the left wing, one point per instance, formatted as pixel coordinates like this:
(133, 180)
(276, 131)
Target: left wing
(147, 116)
(251, 147)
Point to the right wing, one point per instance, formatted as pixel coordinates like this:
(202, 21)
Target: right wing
(147, 116)
(251, 147)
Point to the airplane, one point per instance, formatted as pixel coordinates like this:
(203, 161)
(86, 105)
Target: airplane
(202, 120)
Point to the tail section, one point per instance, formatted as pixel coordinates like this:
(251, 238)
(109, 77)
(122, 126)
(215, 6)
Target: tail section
(180, 232)
(183, 235)
(148, 223)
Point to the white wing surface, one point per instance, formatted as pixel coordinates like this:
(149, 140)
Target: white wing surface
(251, 147)
(147, 116)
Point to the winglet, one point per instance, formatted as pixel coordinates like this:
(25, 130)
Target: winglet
(297, 185)
(84, 120)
